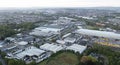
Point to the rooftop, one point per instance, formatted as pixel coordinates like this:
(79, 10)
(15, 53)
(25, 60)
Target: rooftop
(51, 47)
(99, 33)
(45, 31)
(60, 41)
(30, 51)
(77, 48)
(22, 43)
(70, 40)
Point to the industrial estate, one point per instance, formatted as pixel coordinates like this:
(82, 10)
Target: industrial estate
(56, 33)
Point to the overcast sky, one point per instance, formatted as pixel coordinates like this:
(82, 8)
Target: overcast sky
(59, 3)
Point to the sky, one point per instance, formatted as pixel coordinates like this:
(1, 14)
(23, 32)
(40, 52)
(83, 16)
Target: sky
(59, 3)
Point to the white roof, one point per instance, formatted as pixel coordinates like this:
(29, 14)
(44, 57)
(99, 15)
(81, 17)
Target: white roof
(99, 33)
(60, 41)
(66, 35)
(1, 46)
(77, 48)
(51, 47)
(79, 27)
(71, 40)
(23, 43)
(40, 33)
(10, 38)
(30, 51)
(45, 29)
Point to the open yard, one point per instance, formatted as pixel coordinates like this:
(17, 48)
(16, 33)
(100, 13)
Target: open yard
(65, 58)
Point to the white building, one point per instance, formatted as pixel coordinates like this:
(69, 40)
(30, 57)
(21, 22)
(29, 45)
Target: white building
(63, 20)
(45, 31)
(60, 41)
(10, 39)
(77, 48)
(22, 43)
(51, 47)
(30, 51)
(66, 35)
(70, 40)
(105, 34)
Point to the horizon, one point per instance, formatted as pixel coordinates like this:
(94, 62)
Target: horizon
(57, 4)
(4, 8)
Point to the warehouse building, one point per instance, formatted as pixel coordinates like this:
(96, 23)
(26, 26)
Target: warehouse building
(104, 34)
(69, 40)
(29, 53)
(51, 47)
(45, 31)
(76, 48)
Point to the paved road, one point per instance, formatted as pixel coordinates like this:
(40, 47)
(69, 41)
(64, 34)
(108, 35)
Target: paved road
(2, 61)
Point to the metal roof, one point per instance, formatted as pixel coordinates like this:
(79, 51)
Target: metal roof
(30, 51)
(99, 33)
(51, 47)
(77, 48)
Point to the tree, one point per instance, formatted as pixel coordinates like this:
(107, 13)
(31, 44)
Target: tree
(3, 54)
(36, 45)
(11, 62)
(26, 26)
(0, 63)
(32, 63)
(16, 62)
(6, 31)
(88, 60)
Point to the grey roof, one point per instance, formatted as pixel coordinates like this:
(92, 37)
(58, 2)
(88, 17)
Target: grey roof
(99, 33)
(77, 48)
(51, 47)
(30, 51)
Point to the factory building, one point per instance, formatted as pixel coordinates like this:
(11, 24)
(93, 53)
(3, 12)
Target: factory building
(76, 48)
(104, 34)
(29, 53)
(51, 47)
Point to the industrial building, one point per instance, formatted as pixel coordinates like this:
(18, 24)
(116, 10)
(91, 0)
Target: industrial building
(104, 34)
(22, 43)
(69, 40)
(51, 47)
(60, 42)
(76, 48)
(45, 31)
(29, 52)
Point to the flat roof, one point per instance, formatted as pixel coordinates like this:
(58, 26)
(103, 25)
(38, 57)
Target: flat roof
(8, 46)
(60, 41)
(47, 29)
(70, 40)
(30, 51)
(51, 47)
(40, 33)
(54, 26)
(77, 48)
(66, 35)
(99, 33)
(22, 43)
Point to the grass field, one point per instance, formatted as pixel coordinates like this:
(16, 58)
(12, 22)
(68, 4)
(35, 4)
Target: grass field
(65, 58)
(92, 28)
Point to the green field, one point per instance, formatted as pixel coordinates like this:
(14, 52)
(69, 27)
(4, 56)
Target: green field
(92, 27)
(65, 58)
